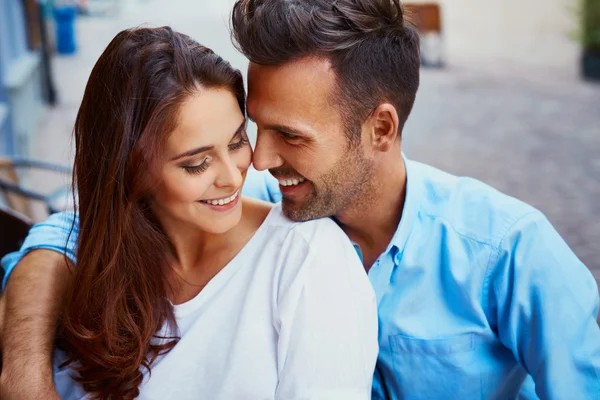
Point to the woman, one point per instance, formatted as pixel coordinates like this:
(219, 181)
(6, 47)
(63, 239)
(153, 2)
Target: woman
(184, 289)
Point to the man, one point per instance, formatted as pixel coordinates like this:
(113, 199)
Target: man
(475, 289)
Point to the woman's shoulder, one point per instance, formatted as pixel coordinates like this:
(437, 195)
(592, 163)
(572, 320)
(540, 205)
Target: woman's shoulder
(317, 235)
(310, 228)
(316, 255)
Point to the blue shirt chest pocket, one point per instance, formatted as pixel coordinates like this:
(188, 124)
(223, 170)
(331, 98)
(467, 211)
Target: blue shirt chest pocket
(445, 368)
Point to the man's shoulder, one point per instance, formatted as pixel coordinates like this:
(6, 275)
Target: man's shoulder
(473, 209)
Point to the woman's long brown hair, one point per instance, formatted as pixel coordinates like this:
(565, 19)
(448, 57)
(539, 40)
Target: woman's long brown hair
(118, 304)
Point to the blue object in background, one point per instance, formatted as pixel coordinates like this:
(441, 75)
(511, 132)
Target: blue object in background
(65, 29)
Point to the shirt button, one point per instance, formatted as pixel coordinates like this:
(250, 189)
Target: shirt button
(397, 258)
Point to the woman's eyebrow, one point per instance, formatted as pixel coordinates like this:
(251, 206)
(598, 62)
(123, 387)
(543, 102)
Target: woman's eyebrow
(202, 149)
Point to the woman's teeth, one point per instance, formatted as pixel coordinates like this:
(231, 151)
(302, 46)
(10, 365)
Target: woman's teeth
(221, 202)
(291, 182)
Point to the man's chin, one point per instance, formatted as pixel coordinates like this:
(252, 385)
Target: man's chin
(299, 211)
(294, 211)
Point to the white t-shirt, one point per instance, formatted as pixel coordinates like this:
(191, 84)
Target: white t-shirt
(293, 316)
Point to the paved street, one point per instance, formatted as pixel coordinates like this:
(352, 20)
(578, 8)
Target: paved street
(529, 133)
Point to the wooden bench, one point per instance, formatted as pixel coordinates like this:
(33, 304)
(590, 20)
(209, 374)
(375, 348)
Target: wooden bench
(426, 17)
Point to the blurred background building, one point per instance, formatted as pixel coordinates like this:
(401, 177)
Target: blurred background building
(22, 66)
(537, 34)
(502, 95)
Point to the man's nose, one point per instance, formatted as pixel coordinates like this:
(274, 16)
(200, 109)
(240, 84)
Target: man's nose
(266, 153)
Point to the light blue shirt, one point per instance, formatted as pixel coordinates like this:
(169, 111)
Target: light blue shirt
(475, 291)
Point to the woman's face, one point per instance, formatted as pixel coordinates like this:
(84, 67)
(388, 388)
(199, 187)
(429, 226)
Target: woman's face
(204, 164)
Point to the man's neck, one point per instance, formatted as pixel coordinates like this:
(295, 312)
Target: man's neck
(372, 219)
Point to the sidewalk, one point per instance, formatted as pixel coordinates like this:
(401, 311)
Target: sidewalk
(532, 135)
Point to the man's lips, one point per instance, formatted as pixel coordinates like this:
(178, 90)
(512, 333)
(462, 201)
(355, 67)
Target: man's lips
(291, 185)
(293, 181)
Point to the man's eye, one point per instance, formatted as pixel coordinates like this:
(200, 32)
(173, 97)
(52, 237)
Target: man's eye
(288, 136)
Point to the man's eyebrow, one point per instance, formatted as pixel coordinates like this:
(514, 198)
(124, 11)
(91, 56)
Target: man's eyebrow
(285, 129)
(202, 149)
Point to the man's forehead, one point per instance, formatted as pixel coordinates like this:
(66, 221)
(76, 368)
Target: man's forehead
(301, 75)
(301, 87)
(310, 66)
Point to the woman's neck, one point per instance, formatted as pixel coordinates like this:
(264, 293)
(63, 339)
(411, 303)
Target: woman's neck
(192, 244)
(200, 255)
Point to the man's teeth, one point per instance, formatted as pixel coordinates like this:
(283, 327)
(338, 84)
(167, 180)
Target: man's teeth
(291, 182)
(221, 202)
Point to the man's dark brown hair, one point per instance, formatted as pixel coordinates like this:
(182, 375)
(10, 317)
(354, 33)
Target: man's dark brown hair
(374, 52)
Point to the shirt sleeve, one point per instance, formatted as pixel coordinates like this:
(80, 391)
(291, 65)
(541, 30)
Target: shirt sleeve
(53, 234)
(545, 303)
(326, 318)
(262, 186)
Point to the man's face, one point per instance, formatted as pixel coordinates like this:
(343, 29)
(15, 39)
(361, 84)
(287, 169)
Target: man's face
(302, 140)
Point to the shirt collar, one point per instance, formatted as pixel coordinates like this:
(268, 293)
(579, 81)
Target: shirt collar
(410, 211)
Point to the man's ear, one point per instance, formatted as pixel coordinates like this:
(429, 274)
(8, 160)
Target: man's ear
(383, 127)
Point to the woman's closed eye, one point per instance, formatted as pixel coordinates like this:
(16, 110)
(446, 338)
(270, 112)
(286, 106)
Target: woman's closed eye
(243, 141)
(197, 169)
